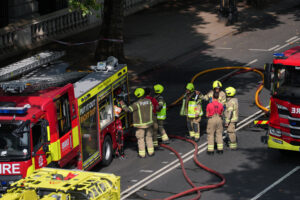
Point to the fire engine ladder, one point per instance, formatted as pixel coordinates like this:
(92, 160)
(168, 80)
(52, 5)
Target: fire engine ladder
(29, 64)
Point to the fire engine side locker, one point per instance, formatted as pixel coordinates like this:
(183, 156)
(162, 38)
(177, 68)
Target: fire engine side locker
(88, 92)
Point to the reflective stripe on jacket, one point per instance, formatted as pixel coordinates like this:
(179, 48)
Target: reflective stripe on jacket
(232, 110)
(191, 107)
(142, 112)
(162, 113)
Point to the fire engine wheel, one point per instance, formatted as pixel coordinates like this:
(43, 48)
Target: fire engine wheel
(107, 151)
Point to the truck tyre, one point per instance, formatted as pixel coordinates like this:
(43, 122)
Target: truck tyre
(107, 151)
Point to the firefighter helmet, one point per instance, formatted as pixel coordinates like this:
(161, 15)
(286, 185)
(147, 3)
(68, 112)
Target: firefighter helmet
(217, 84)
(190, 86)
(139, 92)
(230, 91)
(158, 88)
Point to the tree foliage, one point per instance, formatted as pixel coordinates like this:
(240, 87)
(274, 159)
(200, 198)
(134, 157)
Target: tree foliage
(85, 6)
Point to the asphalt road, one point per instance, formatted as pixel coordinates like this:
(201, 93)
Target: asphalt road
(253, 172)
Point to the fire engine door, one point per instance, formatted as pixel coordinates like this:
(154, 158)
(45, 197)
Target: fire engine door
(40, 143)
(64, 123)
(89, 131)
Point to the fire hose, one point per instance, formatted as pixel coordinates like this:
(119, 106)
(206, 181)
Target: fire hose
(223, 180)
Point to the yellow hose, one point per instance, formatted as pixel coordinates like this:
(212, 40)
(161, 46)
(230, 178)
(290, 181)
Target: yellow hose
(224, 68)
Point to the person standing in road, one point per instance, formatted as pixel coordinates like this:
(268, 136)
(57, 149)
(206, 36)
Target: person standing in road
(231, 116)
(217, 85)
(214, 112)
(155, 108)
(142, 111)
(192, 109)
(161, 113)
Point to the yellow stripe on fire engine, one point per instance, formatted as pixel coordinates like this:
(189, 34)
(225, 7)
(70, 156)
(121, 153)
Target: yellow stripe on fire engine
(75, 137)
(31, 168)
(261, 122)
(102, 86)
(55, 150)
(276, 143)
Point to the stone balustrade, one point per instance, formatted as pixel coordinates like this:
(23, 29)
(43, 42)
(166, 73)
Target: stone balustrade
(17, 37)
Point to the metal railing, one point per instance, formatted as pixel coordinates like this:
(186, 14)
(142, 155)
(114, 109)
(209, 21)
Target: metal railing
(17, 37)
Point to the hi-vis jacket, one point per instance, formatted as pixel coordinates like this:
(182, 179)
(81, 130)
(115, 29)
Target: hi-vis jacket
(191, 106)
(142, 112)
(209, 95)
(232, 110)
(162, 113)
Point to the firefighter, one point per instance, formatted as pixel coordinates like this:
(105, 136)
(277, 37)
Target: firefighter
(217, 85)
(192, 109)
(214, 112)
(231, 116)
(161, 113)
(142, 111)
(155, 108)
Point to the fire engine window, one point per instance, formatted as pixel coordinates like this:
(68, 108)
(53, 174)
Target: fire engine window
(37, 138)
(89, 128)
(63, 115)
(105, 111)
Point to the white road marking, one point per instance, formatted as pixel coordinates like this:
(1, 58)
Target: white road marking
(272, 48)
(156, 175)
(292, 38)
(159, 171)
(172, 153)
(275, 183)
(223, 48)
(283, 46)
(258, 49)
(134, 181)
(251, 62)
(146, 170)
(165, 162)
(294, 41)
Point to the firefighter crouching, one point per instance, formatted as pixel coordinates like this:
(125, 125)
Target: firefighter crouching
(214, 112)
(231, 116)
(217, 85)
(161, 113)
(192, 109)
(142, 112)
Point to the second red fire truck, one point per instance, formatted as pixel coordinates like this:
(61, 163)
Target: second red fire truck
(282, 77)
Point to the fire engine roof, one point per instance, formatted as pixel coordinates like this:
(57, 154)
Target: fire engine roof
(93, 79)
(291, 57)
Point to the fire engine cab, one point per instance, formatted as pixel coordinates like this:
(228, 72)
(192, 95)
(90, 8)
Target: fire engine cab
(60, 120)
(282, 77)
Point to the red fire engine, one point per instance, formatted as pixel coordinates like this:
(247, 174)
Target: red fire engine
(71, 123)
(282, 77)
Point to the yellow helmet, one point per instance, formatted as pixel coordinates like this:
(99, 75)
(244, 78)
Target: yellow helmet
(230, 91)
(139, 92)
(158, 88)
(217, 84)
(190, 86)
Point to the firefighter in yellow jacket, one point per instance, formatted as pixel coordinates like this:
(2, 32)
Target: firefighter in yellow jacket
(192, 109)
(161, 113)
(142, 112)
(231, 116)
(217, 85)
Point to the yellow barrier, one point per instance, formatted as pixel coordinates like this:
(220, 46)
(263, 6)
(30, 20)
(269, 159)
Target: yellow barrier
(60, 184)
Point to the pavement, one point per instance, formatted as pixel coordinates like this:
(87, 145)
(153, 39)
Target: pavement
(160, 35)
